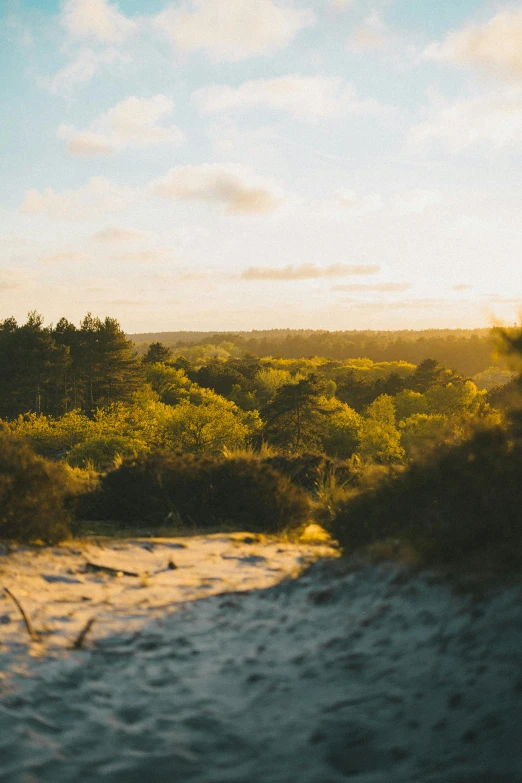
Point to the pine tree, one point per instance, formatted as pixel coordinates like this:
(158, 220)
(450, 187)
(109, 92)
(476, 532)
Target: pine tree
(294, 417)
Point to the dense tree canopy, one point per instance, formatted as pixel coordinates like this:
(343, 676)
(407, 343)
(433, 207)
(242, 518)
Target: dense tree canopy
(52, 370)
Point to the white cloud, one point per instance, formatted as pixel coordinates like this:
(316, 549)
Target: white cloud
(131, 123)
(306, 97)
(12, 279)
(345, 198)
(238, 188)
(66, 257)
(84, 143)
(373, 287)
(308, 271)
(96, 19)
(97, 197)
(494, 46)
(145, 256)
(232, 30)
(82, 70)
(346, 202)
(413, 202)
(371, 34)
(109, 235)
(340, 5)
(491, 120)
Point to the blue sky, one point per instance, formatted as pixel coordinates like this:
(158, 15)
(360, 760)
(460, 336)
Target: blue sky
(217, 164)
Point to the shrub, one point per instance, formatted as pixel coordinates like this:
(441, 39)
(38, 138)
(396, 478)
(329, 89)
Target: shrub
(103, 451)
(307, 470)
(459, 501)
(34, 494)
(202, 491)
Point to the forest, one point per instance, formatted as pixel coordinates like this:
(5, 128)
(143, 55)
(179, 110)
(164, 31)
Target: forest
(209, 433)
(467, 350)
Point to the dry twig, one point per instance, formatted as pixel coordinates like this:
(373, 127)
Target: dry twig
(109, 569)
(35, 637)
(80, 639)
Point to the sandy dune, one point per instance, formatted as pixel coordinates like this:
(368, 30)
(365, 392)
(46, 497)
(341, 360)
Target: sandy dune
(367, 674)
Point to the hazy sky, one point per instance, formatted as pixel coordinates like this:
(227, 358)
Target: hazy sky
(239, 164)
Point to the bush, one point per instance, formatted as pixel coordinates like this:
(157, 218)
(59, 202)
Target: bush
(458, 502)
(34, 494)
(308, 470)
(103, 451)
(201, 491)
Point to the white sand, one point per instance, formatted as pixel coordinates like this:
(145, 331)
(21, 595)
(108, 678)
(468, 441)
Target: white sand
(363, 674)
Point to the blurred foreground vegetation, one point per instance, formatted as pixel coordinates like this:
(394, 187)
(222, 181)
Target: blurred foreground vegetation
(419, 455)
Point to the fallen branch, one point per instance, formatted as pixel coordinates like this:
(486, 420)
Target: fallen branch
(109, 569)
(30, 630)
(78, 642)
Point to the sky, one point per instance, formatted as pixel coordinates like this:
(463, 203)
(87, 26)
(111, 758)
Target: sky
(257, 164)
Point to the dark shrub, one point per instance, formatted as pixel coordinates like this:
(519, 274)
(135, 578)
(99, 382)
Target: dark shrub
(33, 494)
(199, 491)
(307, 470)
(465, 500)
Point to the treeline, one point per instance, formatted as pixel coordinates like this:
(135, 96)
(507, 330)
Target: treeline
(214, 435)
(54, 369)
(468, 351)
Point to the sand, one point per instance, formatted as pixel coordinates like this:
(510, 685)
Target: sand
(367, 673)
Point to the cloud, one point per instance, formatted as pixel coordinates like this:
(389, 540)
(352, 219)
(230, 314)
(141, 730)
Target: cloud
(84, 144)
(12, 279)
(67, 257)
(308, 272)
(415, 201)
(97, 197)
(145, 256)
(131, 123)
(119, 235)
(409, 304)
(345, 201)
(340, 5)
(232, 30)
(345, 198)
(408, 202)
(493, 120)
(238, 188)
(82, 70)
(374, 287)
(96, 19)
(495, 46)
(497, 299)
(306, 97)
(371, 34)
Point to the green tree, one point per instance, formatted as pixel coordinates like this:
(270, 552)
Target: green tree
(294, 418)
(109, 367)
(454, 398)
(378, 434)
(340, 430)
(170, 384)
(157, 353)
(430, 373)
(32, 368)
(421, 433)
(209, 426)
(408, 403)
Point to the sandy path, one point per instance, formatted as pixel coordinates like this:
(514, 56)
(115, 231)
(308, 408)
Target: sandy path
(367, 675)
(125, 583)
